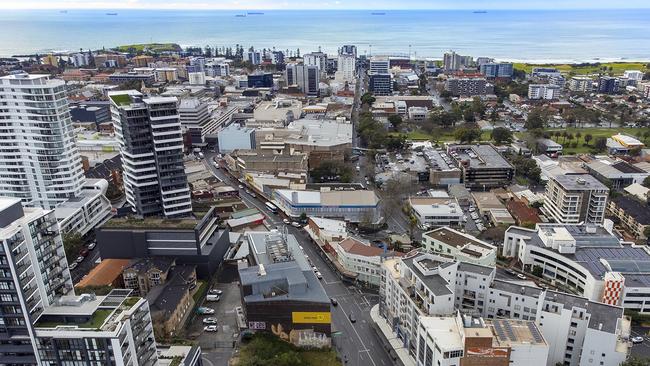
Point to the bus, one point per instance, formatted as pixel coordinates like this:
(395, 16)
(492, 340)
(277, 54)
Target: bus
(271, 207)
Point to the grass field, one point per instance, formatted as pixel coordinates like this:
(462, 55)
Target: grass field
(154, 47)
(267, 349)
(595, 133)
(617, 67)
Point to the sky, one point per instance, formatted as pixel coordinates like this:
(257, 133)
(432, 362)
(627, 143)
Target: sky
(326, 4)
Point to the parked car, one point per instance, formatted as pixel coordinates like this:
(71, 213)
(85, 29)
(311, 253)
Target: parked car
(296, 224)
(210, 328)
(637, 340)
(318, 275)
(511, 272)
(73, 265)
(333, 301)
(83, 252)
(352, 318)
(79, 259)
(210, 321)
(92, 246)
(212, 298)
(286, 221)
(204, 310)
(215, 291)
(241, 186)
(520, 276)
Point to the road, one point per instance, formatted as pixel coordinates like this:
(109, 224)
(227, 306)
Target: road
(357, 342)
(85, 266)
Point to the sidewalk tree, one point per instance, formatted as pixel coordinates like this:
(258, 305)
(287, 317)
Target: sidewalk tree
(501, 135)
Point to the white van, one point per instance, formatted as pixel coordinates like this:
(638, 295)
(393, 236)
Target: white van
(212, 298)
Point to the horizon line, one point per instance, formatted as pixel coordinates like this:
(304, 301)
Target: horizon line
(318, 9)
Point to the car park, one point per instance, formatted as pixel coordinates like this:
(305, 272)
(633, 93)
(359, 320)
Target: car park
(210, 328)
(209, 321)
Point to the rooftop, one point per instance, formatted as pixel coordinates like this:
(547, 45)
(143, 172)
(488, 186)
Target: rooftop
(509, 332)
(579, 182)
(363, 198)
(479, 156)
(640, 211)
(105, 273)
(457, 239)
(157, 223)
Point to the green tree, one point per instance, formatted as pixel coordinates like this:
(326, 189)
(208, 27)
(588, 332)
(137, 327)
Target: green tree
(537, 118)
(588, 138)
(600, 144)
(395, 120)
(72, 244)
(478, 107)
(467, 134)
(646, 182)
(501, 135)
(368, 99)
(633, 361)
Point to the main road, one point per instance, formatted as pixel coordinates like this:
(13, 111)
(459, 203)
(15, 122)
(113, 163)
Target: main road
(356, 343)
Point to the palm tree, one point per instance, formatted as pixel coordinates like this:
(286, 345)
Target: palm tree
(588, 138)
(578, 136)
(564, 136)
(557, 135)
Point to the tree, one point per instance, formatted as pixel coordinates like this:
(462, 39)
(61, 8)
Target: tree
(395, 120)
(588, 138)
(526, 168)
(537, 118)
(501, 135)
(331, 171)
(478, 107)
(72, 244)
(467, 134)
(633, 361)
(367, 99)
(600, 144)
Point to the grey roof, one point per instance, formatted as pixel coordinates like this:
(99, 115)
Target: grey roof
(602, 316)
(638, 210)
(475, 268)
(167, 297)
(435, 283)
(483, 156)
(142, 265)
(579, 182)
(591, 248)
(516, 288)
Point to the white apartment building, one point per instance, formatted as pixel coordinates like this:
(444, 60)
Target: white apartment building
(433, 211)
(236, 137)
(91, 209)
(80, 59)
(151, 147)
(305, 77)
(195, 120)
(196, 78)
(318, 59)
(362, 259)
(462, 247)
(214, 69)
(589, 259)
(543, 91)
(419, 285)
(582, 84)
(347, 68)
(571, 199)
(635, 75)
(40, 162)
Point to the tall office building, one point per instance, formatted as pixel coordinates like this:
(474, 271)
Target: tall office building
(195, 119)
(453, 61)
(348, 49)
(304, 76)
(497, 69)
(316, 59)
(572, 199)
(347, 66)
(33, 272)
(151, 147)
(379, 65)
(40, 162)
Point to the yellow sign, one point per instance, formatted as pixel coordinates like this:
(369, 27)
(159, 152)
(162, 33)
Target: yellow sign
(302, 317)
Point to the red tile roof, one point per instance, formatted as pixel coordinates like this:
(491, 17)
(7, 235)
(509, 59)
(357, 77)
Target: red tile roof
(105, 273)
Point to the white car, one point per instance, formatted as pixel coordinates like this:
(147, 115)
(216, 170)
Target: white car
(215, 291)
(79, 259)
(318, 275)
(210, 321)
(296, 224)
(520, 276)
(73, 265)
(241, 186)
(286, 221)
(210, 328)
(92, 246)
(637, 340)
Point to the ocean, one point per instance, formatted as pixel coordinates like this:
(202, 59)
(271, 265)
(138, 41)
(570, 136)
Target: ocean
(530, 35)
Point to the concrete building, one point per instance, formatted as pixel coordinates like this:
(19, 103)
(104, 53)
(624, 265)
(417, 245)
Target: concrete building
(617, 173)
(236, 137)
(635, 75)
(195, 120)
(112, 329)
(468, 86)
(347, 68)
(571, 199)
(121, 78)
(549, 147)
(151, 148)
(482, 166)
(280, 292)
(318, 59)
(608, 85)
(190, 241)
(623, 144)
(420, 285)
(461, 247)
(196, 78)
(497, 69)
(260, 80)
(254, 57)
(380, 84)
(96, 112)
(282, 111)
(80, 59)
(379, 65)
(266, 161)
(433, 211)
(35, 272)
(351, 206)
(632, 214)
(543, 91)
(362, 259)
(42, 165)
(452, 61)
(305, 77)
(83, 213)
(581, 84)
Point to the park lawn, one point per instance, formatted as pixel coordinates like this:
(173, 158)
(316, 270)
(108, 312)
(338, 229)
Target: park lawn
(595, 133)
(149, 46)
(617, 67)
